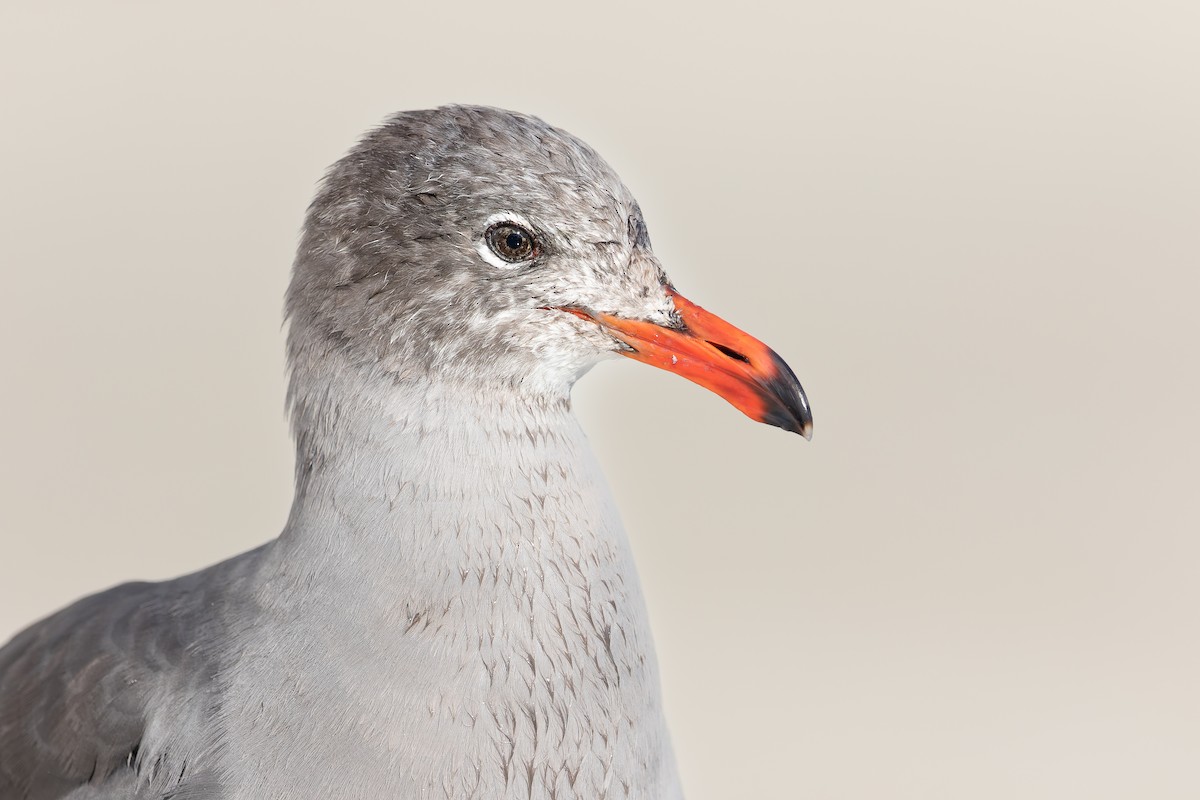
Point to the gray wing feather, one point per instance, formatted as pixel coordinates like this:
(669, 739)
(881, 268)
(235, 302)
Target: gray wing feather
(77, 688)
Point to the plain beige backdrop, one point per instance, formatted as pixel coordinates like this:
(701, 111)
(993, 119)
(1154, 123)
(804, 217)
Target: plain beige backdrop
(972, 228)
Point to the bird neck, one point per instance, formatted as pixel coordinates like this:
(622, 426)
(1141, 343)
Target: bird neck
(425, 485)
(459, 548)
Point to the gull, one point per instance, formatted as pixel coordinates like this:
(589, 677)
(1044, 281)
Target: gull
(452, 608)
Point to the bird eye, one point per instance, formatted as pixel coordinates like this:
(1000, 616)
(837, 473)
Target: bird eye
(511, 242)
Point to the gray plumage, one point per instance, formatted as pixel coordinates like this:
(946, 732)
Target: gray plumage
(452, 609)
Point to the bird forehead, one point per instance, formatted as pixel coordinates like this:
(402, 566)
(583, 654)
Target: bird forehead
(537, 187)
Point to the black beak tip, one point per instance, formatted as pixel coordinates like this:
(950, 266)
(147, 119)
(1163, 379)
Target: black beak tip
(789, 405)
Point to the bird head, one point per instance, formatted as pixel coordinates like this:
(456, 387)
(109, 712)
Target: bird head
(474, 244)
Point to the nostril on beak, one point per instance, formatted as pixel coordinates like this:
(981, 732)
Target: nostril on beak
(729, 351)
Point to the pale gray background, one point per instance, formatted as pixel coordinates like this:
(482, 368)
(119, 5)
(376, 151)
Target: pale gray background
(970, 227)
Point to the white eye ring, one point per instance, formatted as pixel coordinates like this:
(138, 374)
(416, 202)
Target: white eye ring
(484, 248)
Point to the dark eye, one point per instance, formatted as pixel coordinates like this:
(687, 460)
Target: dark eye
(511, 242)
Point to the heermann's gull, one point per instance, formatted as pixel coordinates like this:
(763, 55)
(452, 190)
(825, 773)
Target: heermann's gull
(451, 610)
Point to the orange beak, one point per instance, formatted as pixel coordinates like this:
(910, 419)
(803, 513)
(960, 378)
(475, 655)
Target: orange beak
(709, 351)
